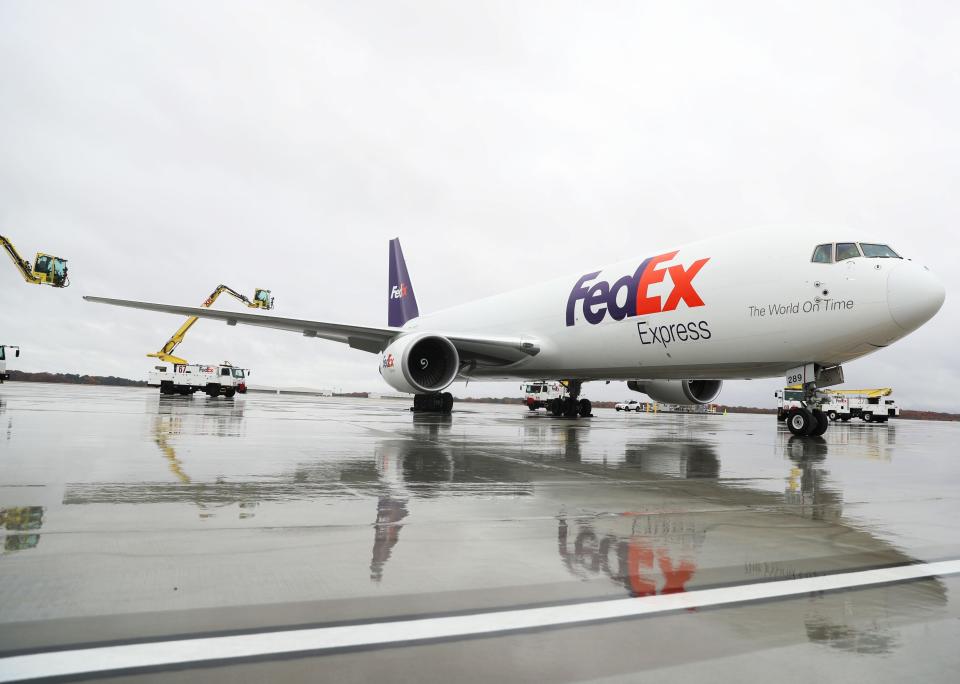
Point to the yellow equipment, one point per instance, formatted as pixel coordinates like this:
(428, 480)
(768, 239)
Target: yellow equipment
(261, 300)
(872, 393)
(47, 269)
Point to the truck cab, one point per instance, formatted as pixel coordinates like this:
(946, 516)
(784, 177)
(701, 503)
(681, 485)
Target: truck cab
(6, 349)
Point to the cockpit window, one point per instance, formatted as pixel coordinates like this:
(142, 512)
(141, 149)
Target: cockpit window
(847, 250)
(878, 251)
(823, 254)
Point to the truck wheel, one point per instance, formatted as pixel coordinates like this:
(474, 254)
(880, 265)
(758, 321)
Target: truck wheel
(532, 407)
(229, 393)
(832, 415)
(800, 421)
(213, 390)
(867, 417)
(166, 387)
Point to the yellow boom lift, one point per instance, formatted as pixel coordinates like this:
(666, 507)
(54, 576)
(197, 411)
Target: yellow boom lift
(261, 300)
(47, 269)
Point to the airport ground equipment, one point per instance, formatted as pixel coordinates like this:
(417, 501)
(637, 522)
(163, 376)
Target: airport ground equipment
(187, 378)
(558, 398)
(261, 300)
(539, 394)
(46, 270)
(5, 349)
(869, 405)
(632, 405)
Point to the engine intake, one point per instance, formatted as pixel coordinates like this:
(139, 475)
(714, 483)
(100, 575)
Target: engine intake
(420, 363)
(678, 391)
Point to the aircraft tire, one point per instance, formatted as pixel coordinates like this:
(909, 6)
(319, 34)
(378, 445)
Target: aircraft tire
(584, 407)
(446, 402)
(821, 424)
(800, 422)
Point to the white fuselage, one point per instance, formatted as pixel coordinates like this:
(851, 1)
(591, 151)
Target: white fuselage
(746, 305)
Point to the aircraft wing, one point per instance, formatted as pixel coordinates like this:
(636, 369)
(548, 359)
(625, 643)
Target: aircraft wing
(486, 350)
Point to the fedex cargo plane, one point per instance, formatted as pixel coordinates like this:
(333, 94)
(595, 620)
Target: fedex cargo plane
(673, 323)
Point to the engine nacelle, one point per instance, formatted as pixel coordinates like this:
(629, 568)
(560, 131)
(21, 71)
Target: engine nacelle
(678, 391)
(420, 363)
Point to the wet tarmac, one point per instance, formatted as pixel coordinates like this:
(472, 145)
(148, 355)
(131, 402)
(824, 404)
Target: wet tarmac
(128, 518)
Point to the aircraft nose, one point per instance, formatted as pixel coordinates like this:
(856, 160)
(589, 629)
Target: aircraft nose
(914, 295)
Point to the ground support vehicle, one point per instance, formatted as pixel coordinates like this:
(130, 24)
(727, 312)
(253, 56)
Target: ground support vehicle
(261, 300)
(556, 397)
(46, 270)
(4, 350)
(186, 378)
(869, 405)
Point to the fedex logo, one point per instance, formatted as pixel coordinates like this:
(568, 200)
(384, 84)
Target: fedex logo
(399, 291)
(630, 296)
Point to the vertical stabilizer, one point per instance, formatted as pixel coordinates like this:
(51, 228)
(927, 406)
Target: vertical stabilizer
(402, 304)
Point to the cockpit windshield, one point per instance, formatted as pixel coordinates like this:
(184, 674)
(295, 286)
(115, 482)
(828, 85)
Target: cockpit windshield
(847, 250)
(873, 251)
(823, 254)
(831, 253)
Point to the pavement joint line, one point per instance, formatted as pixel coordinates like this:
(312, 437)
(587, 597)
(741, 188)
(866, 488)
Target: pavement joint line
(176, 653)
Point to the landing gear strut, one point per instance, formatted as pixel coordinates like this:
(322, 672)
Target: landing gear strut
(571, 406)
(439, 402)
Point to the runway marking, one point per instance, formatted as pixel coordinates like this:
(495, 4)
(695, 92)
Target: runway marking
(317, 640)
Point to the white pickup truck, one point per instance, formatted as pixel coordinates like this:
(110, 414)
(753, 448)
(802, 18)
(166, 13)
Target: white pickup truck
(186, 378)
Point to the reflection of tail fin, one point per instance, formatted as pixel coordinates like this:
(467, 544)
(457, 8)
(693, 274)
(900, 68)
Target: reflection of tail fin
(401, 303)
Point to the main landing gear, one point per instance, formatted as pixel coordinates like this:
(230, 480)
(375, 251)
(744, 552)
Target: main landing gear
(571, 406)
(439, 402)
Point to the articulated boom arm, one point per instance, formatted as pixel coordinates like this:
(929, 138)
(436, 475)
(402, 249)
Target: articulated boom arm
(261, 300)
(48, 270)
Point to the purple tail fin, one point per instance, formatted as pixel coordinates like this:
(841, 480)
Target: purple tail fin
(402, 304)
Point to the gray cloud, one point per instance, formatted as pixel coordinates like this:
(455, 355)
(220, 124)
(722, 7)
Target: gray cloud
(166, 147)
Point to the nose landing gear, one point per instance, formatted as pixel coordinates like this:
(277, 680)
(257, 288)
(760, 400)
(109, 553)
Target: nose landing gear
(805, 422)
(809, 419)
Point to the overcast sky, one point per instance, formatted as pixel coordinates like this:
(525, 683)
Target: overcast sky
(166, 147)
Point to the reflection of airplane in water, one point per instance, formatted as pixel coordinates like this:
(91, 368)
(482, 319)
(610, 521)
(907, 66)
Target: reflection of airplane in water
(666, 545)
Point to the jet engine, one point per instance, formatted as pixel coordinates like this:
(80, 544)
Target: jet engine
(678, 391)
(420, 363)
